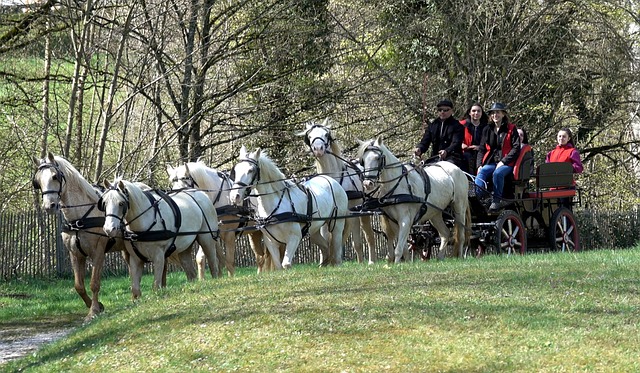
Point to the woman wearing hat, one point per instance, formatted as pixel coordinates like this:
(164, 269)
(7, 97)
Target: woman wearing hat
(444, 135)
(499, 150)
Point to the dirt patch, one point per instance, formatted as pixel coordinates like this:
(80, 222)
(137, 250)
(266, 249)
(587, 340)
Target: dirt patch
(20, 340)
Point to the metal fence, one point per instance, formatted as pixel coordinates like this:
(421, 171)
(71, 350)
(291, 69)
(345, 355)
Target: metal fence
(30, 243)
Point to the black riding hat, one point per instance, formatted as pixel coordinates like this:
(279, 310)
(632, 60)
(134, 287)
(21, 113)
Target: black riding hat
(497, 106)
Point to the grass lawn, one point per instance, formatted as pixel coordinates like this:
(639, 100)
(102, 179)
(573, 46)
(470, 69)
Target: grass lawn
(533, 313)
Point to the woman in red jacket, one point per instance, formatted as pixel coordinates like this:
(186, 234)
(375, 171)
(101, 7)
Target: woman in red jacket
(474, 122)
(565, 151)
(497, 154)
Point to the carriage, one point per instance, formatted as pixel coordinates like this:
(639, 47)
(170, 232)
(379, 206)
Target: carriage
(539, 216)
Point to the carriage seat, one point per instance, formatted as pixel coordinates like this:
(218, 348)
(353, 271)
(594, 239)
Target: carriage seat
(554, 180)
(522, 168)
(522, 171)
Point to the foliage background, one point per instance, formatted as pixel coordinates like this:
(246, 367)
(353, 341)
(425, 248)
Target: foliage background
(124, 88)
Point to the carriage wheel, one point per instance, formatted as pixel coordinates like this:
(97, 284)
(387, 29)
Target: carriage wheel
(563, 231)
(511, 235)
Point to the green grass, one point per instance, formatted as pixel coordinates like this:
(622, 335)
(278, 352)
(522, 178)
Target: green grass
(536, 313)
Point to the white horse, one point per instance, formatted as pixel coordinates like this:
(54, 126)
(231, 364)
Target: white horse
(286, 211)
(217, 185)
(64, 189)
(409, 196)
(330, 161)
(158, 225)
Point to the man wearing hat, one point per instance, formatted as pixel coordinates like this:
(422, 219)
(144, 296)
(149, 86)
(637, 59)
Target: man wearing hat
(445, 135)
(498, 153)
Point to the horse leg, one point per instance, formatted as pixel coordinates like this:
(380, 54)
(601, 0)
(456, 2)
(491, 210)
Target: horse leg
(444, 233)
(391, 229)
(135, 270)
(273, 249)
(402, 239)
(230, 252)
(200, 262)
(366, 224)
(186, 262)
(96, 273)
(210, 246)
(294, 237)
(78, 263)
(323, 244)
(159, 276)
(255, 241)
(337, 242)
(351, 227)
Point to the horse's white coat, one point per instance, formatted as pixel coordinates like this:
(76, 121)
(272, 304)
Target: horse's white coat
(277, 195)
(449, 186)
(199, 222)
(217, 188)
(76, 198)
(320, 141)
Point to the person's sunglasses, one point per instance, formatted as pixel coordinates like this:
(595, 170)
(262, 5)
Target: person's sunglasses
(443, 110)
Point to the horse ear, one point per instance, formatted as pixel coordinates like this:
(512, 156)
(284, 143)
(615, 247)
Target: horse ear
(36, 161)
(379, 140)
(186, 170)
(122, 187)
(170, 169)
(51, 157)
(243, 152)
(257, 153)
(326, 122)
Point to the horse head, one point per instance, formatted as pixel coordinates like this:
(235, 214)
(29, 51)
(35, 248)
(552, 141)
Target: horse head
(49, 179)
(244, 175)
(180, 177)
(318, 137)
(114, 202)
(372, 157)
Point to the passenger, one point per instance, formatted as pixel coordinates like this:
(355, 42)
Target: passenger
(474, 123)
(498, 153)
(444, 135)
(565, 151)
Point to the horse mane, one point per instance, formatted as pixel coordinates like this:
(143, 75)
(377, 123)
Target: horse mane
(268, 169)
(136, 192)
(377, 143)
(200, 172)
(73, 176)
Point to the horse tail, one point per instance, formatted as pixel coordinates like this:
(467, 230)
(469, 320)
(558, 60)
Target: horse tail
(457, 226)
(467, 226)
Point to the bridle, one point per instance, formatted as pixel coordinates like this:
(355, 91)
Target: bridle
(124, 195)
(187, 180)
(58, 176)
(329, 138)
(254, 180)
(382, 164)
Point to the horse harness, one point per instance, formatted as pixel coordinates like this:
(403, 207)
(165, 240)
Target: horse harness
(390, 198)
(288, 216)
(82, 224)
(351, 194)
(157, 235)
